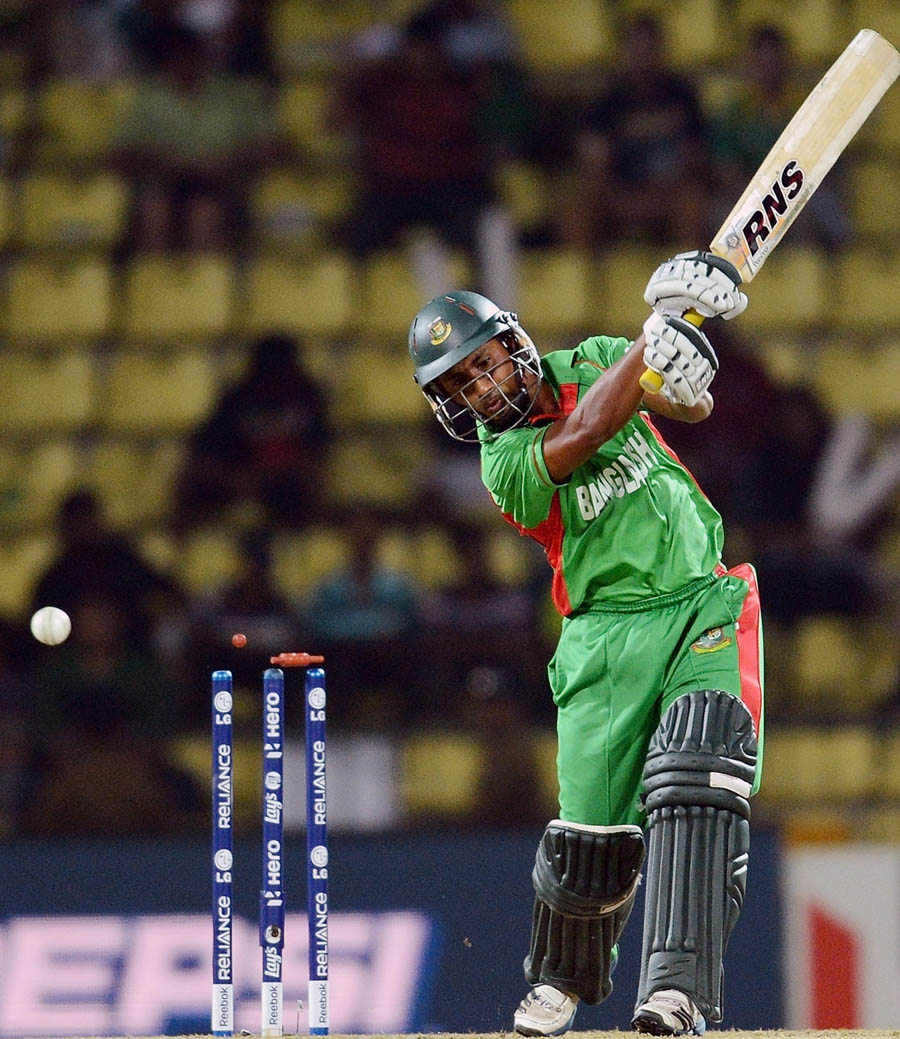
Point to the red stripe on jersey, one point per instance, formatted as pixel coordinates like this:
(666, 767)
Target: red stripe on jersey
(659, 439)
(549, 535)
(747, 632)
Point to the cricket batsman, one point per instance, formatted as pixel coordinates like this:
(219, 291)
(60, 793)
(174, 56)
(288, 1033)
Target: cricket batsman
(657, 676)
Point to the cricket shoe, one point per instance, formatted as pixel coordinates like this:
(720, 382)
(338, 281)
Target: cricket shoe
(545, 1011)
(668, 1012)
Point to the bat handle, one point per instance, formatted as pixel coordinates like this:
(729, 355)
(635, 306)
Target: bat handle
(651, 380)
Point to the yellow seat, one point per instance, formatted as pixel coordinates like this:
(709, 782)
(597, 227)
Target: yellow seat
(6, 222)
(191, 754)
(22, 562)
(426, 555)
(176, 298)
(46, 392)
(844, 667)
(391, 293)
(70, 212)
(794, 290)
(554, 289)
(290, 207)
(303, 114)
(135, 479)
(376, 470)
(301, 560)
(158, 392)
(808, 766)
(304, 35)
(888, 778)
(313, 295)
(77, 119)
(440, 774)
(33, 480)
(858, 378)
(374, 385)
(620, 276)
(816, 28)
(875, 198)
(524, 193)
(869, 278)
(15, 107)
(565, 36)
(50, 300)
(209, 559)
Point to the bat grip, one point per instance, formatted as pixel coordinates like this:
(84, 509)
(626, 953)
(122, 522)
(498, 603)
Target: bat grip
(651, 380)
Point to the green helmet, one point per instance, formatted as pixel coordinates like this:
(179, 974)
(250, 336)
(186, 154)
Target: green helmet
(449, 328)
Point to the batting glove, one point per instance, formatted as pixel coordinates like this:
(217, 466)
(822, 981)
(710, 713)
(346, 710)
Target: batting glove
(682, 355)
(698, 281)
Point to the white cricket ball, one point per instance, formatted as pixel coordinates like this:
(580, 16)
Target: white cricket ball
(51, 625)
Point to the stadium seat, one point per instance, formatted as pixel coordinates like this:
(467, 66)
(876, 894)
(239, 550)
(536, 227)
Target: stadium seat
(305, 35)
(858, 378)
(301, 560)
(875, 199)
(158, 392)
(618, 283)
(77, 119)
(440, 773)
(6, 211)
(173, 298)
(794, 291)
(788, 359)
(15, 108)
(292, 208)
(555, 290)
(888, 776)
(844, 668)
(868, 277)
(378, 471)
(816, 28)
(425, 554)
(312, 295)
(565, 36)
(391, 293)
(809, 765)
(208, 560)
(303, 116)
(33, 479)
(135, 479)
(22, 561)
(46, 392)
(190, 753)
(65, 212)
(524, 192)
(373, 384)
(49, 300)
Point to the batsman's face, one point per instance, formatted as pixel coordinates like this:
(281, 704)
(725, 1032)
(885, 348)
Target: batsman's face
(486, 381)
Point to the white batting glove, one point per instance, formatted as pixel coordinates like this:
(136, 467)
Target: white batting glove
(698, 281)
(682, 356)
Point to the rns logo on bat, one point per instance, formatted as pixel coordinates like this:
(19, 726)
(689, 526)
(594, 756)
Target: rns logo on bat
(772, 207)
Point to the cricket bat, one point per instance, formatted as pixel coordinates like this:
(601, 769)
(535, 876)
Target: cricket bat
(808, 147)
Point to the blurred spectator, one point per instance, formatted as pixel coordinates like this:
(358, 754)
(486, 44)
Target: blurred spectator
(104, 710)
(366, 618)
(719, 450)
(804, 477)
(449, 486)
(478, 618)
(191, 143)
(17, 725)
(250, 604)
(508, 794)
(95, 561)
(426, 166)
(750, 121)
(640, 164)
(264, 443)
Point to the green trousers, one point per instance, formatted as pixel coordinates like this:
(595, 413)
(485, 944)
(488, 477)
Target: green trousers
(614, 674)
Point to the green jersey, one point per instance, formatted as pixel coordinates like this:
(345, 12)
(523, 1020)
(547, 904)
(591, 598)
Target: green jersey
(629, 525)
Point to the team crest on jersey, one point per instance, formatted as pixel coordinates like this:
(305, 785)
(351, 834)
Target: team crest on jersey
(438, 330)
(710, 641)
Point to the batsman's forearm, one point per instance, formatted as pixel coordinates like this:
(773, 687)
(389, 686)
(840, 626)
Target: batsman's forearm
(600, 414)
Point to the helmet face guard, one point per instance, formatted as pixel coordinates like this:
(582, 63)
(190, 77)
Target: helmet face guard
(449, 329)
(459, 414)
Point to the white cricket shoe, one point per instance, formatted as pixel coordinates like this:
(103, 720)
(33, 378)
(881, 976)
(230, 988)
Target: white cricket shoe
(668, 1012)
(545, 1011)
